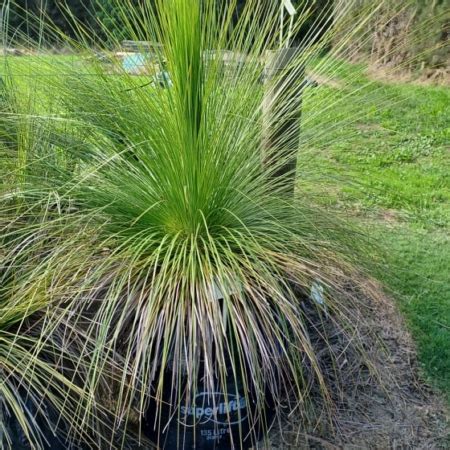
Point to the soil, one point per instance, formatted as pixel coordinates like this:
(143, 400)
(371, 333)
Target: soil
(379, 397)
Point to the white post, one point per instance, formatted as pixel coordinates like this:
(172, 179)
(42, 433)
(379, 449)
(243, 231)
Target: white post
(281, 114)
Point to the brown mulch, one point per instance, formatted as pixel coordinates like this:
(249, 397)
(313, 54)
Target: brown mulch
(380, 398)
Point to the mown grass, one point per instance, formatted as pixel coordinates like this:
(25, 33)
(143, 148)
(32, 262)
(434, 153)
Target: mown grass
(393, 143)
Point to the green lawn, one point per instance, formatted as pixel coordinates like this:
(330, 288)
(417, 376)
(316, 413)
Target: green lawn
(383, 152)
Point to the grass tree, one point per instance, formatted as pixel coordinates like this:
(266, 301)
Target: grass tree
(161, 238)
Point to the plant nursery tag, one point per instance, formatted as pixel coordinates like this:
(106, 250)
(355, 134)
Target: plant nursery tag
(290, 7)
(317, 293)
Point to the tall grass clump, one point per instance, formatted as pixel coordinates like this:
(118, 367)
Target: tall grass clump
(159, 234)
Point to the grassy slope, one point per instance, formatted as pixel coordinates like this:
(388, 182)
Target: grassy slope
(398, 151)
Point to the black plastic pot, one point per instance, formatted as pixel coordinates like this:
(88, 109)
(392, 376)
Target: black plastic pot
(210, 421)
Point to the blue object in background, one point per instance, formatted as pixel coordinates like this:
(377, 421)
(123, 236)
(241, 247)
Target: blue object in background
(134, 63)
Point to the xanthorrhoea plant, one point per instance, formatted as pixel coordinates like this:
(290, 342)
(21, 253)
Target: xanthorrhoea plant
(168, 201)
